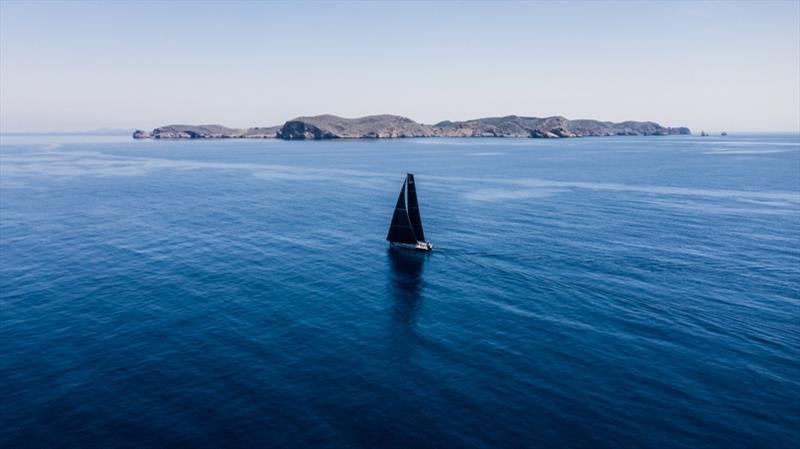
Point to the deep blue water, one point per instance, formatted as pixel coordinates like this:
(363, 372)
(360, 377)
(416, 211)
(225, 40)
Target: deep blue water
(598, 292)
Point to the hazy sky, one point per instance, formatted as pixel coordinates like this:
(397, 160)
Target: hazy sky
(714, 66)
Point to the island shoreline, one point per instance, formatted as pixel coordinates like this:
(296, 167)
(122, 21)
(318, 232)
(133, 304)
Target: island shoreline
(330, 127)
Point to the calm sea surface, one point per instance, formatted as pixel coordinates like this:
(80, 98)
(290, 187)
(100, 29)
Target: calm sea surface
(598, 292)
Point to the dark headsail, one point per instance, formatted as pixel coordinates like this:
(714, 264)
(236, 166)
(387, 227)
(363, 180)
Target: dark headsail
(400, 230)
(413, 208)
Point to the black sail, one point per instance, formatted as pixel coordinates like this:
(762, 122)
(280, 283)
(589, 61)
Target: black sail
(413, 209)
(400, 231)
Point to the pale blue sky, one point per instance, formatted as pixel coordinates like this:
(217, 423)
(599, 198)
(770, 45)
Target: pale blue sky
(707, 65)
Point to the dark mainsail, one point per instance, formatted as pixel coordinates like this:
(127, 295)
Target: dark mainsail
(413, 209)
(400, 231)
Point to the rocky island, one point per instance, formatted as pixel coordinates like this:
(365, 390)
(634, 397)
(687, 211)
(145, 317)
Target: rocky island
(386, 126)
(370, 127)
(550, 127)
(206, 132)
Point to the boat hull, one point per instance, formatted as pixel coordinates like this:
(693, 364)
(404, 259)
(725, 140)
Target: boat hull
(419, 246)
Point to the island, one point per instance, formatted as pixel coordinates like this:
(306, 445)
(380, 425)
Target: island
(206, 132)
(386, 126)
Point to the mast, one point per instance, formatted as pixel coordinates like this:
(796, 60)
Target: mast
(413, 208)
(400, 231)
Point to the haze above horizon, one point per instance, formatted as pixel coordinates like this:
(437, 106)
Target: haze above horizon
(711, 66)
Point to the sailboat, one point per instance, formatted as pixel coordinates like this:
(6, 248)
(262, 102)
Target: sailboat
(406, 228)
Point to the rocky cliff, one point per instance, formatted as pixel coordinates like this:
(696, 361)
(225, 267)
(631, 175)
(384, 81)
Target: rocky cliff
(392, 126)
(370, 127)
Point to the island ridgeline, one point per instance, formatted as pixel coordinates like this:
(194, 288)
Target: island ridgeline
(385, 126)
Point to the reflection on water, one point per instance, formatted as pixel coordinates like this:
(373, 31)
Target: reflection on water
(406, 284)
(406, 279)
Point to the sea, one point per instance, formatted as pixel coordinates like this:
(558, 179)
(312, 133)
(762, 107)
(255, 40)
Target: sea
(602, 292)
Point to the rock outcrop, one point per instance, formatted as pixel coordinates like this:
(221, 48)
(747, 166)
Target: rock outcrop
(370, 127)
(392, 126)
(264, 132)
